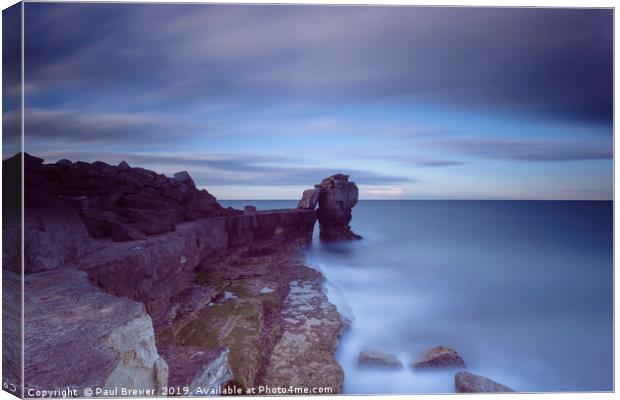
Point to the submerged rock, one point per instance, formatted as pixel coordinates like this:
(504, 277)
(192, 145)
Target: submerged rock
(372, 358)
(439, 357)
(466, 382)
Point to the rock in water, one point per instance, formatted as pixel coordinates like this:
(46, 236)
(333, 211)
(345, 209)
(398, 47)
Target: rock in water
(440, 357)
(309, 199)
(371, 358)
(466, 382)
(337, 198)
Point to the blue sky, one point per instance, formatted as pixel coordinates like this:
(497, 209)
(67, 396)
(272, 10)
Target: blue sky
(264, 101)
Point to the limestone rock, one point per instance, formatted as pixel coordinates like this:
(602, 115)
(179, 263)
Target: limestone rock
(440, 357)
(378, 359)
(201, 370)
(78, 336)
(53, 238)
(338, 197)
(466, 382)
(309, 199)
(304, 357)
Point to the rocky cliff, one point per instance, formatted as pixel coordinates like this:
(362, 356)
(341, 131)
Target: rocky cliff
(142, 281)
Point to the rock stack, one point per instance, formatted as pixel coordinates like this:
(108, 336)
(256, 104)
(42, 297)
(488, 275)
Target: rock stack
(336, 197)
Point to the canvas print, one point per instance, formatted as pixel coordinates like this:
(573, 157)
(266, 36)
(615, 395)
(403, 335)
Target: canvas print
(215, 199)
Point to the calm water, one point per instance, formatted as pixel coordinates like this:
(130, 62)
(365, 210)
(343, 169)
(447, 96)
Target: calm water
(522, 290)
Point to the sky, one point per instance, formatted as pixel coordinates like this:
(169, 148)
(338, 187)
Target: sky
(263, 101)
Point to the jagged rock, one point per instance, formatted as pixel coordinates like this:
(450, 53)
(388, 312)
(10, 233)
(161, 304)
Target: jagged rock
(124, 233)
(466, 382)
(177, 192)
(53, 238)
(184, 177)
(31, 162)
(373, 358)
(99, 165)
(201, 370)
(78, 336)
(102, 194)
(309, 199)
(440, 357)
(338, 196)
(249, 210)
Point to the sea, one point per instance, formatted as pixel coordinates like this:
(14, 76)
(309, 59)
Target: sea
(522, 290)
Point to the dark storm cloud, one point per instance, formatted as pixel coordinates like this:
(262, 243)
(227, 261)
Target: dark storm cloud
(546, 62)
(529, 150)
(235, 169)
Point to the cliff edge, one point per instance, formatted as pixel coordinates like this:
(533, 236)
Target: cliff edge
(156, 285)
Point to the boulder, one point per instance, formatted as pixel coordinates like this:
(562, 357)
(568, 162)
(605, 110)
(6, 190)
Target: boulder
(337, 198)
(378, 359)
(80, 337)
(123, 166)
(53, 238)
(309, 199)
(199, 370)
(64, 163)
(466, 382)
(439, 357)
(183, 177)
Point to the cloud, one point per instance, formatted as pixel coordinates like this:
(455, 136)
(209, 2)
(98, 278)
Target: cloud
(561, 65)
(528, 150)
(78, 128)
(234, 169)
(383, 192)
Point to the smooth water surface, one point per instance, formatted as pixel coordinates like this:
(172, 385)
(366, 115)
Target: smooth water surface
(521, 289)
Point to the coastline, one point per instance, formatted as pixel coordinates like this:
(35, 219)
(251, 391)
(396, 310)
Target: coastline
(215, 300)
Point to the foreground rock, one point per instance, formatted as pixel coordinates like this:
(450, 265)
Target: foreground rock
(269, 311)
(196, 371)
(440, 357)
(140, 281)
(466, 382)
(304, 356)
(372, 358)
(79, 337)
